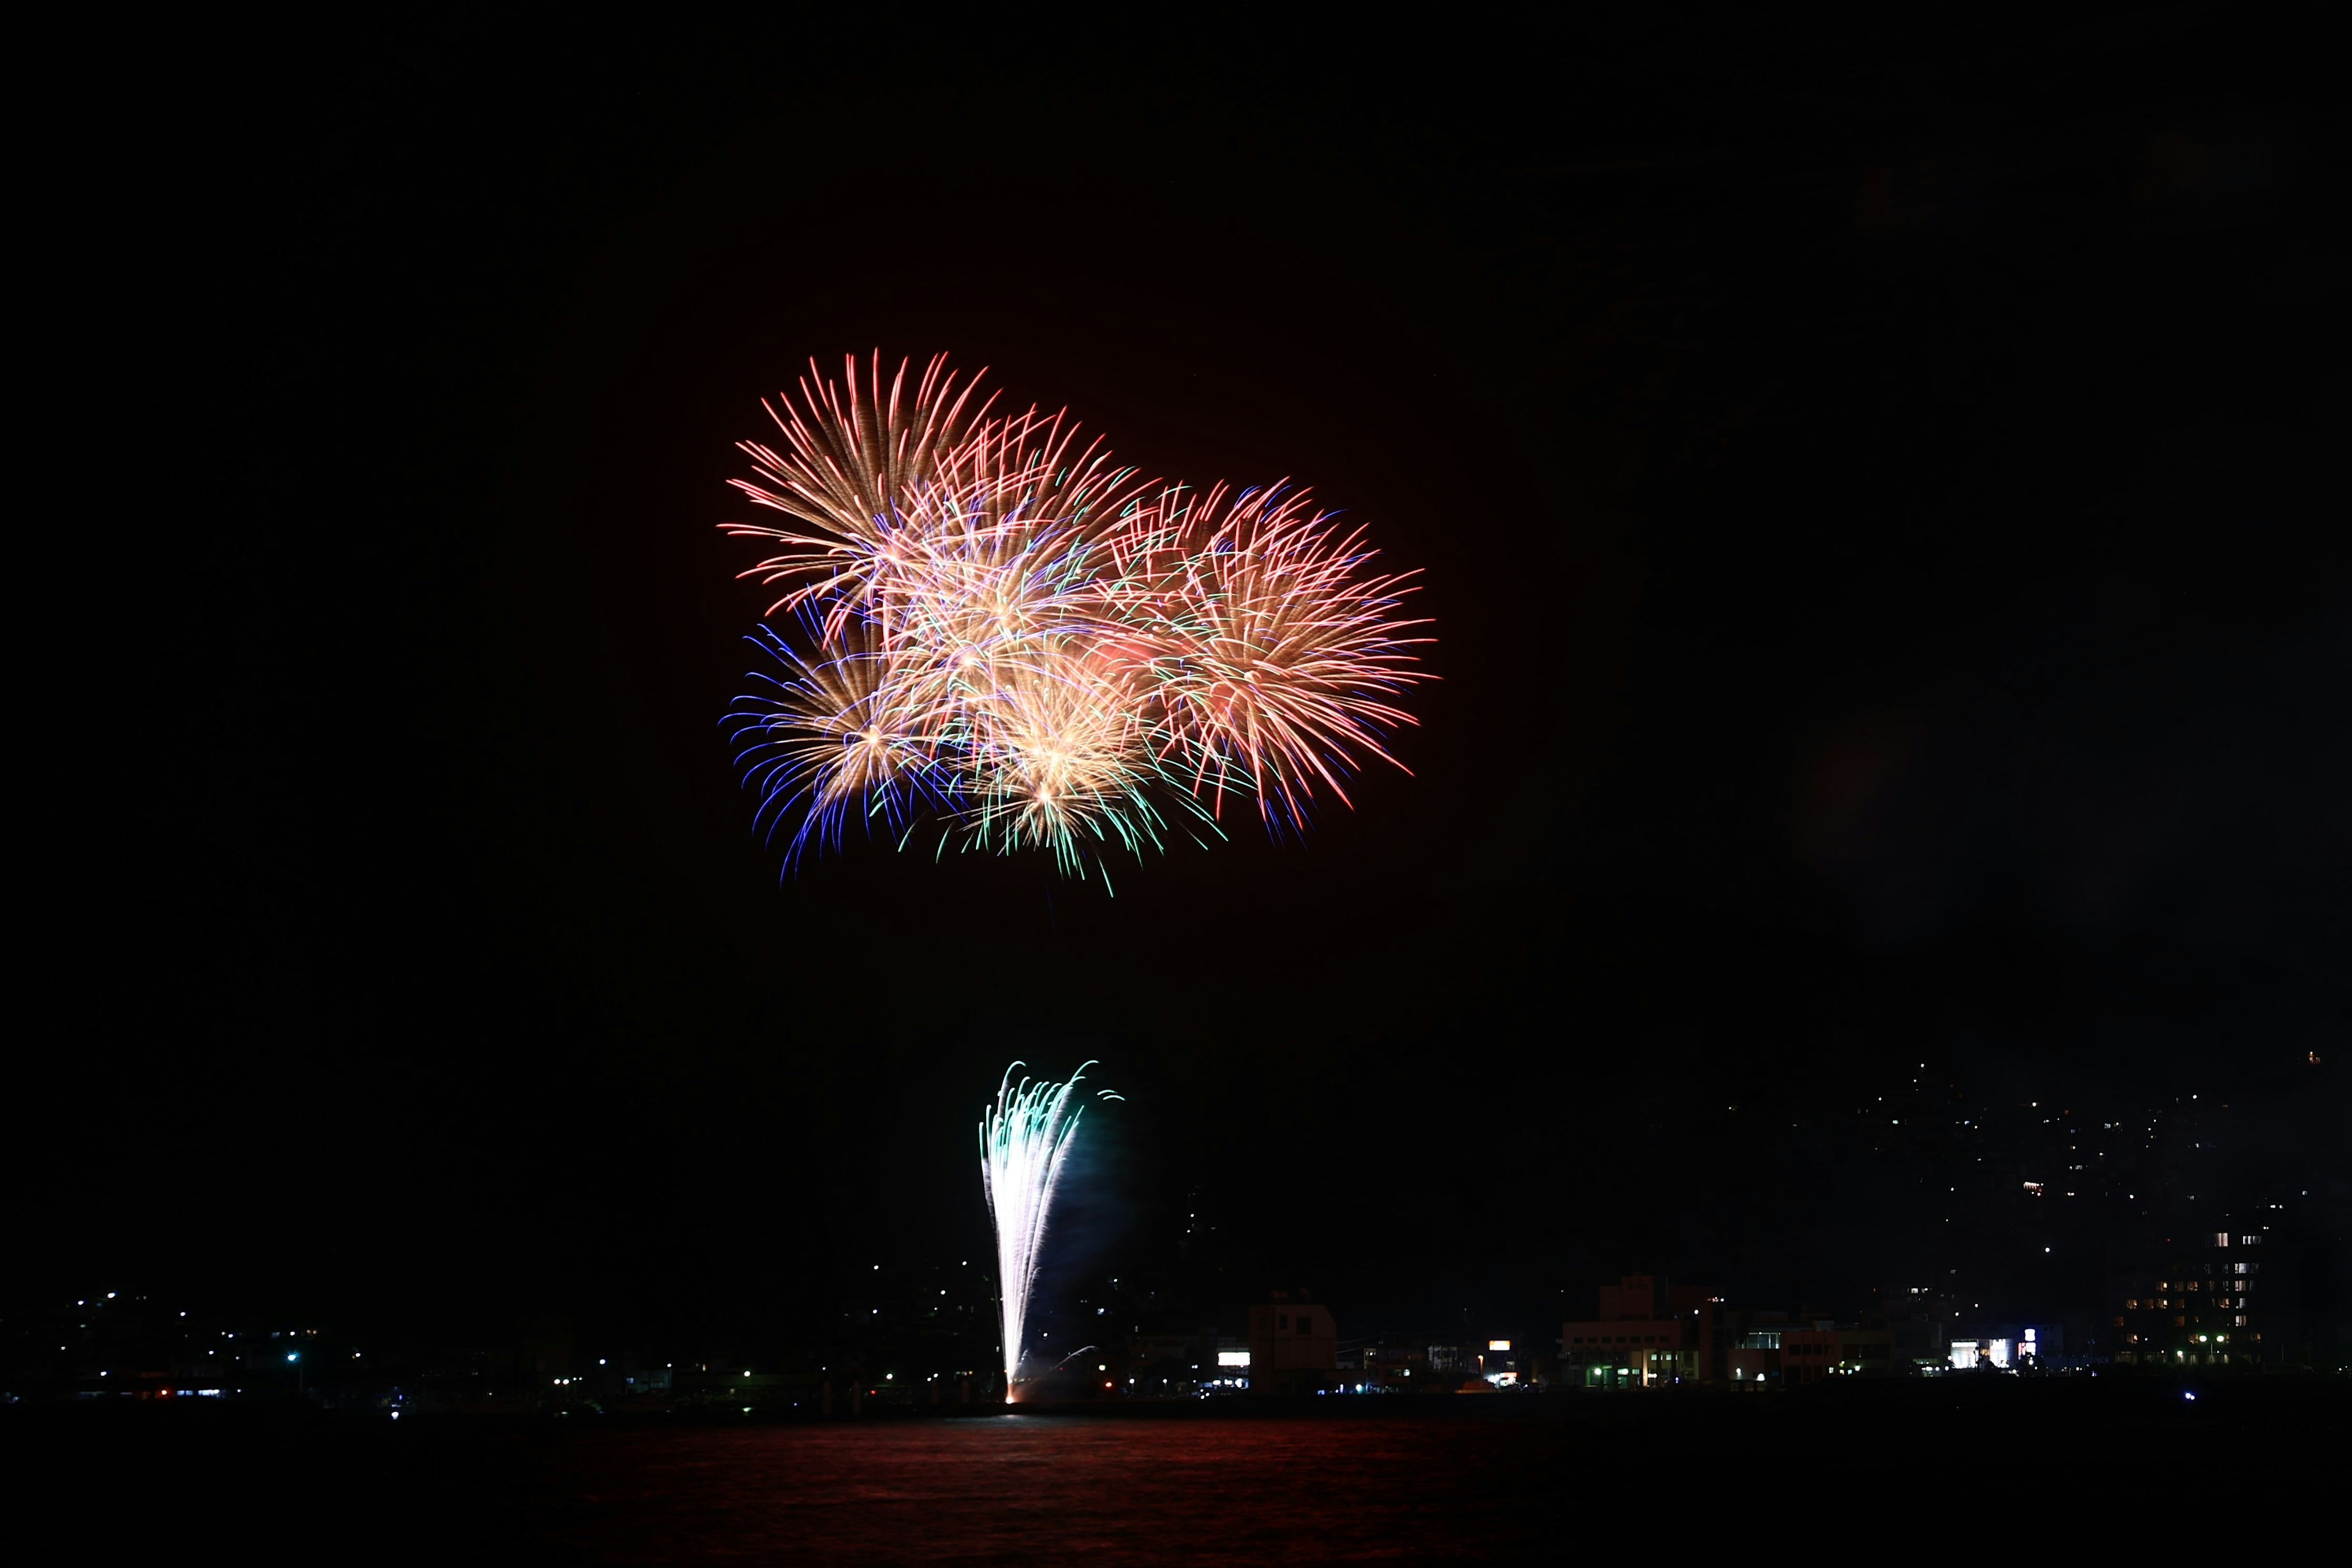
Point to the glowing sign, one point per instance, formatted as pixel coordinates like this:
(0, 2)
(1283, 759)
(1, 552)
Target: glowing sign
(1498, 1344)
(1232, 1358)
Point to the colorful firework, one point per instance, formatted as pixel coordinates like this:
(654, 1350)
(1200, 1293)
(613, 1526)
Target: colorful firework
(1024, 1139)
(1000, 633)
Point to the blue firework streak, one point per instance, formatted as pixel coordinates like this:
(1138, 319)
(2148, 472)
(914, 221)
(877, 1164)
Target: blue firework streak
(998, 635)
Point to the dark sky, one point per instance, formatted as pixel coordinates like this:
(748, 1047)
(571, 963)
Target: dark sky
(1873, 490)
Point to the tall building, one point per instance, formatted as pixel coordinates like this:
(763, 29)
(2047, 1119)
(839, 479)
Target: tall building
(2198, 1300)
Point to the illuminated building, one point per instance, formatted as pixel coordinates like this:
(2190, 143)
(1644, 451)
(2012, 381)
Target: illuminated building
(2003, 1347)
(2196, 1300)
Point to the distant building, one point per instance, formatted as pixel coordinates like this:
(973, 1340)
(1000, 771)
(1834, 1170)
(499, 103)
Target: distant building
(1752, 1357)
(2007, 1347)
(1479, 1367)
(1294, 1345)
(1646, 1332)
(1823, 1348)
(1649, 1332)
(2200, 1301)
(1165, 1366)
(1393, 1365)
(1923, 1322)
(545, 1353)
(1231, 1367)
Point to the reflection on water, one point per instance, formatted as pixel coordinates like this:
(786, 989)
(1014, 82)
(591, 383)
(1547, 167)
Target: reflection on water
(1021, 1489)
(1508, 1479)
(1505, 1479)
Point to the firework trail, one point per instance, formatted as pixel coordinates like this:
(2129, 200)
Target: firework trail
(1024, 1139)
(997, 631)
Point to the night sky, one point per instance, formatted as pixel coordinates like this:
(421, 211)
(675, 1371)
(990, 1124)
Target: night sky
(1875, 495)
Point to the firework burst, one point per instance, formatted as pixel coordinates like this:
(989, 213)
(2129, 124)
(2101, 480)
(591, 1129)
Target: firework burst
(997, 631)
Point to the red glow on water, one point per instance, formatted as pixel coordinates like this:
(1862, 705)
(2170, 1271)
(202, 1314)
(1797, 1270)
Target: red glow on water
(1040, 1488)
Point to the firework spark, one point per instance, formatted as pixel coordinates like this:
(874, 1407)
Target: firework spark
(1024, 1139)
(1000, 632)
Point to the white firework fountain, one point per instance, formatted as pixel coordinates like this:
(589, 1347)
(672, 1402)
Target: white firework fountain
(1024, 1139)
